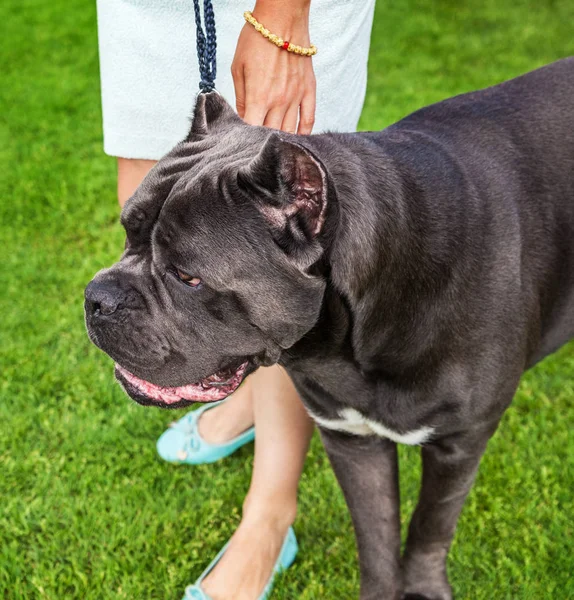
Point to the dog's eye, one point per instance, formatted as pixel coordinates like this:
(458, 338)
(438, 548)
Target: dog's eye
(188, 279)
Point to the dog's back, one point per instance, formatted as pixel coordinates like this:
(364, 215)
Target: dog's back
(515, 144)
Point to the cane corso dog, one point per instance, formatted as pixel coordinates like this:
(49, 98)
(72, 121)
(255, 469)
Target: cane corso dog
(405, 279)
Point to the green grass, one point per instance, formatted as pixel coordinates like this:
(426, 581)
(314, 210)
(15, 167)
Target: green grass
(88, 510)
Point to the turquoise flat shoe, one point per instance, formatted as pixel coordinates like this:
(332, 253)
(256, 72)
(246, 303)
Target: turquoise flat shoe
(285, 560)
(182, 443)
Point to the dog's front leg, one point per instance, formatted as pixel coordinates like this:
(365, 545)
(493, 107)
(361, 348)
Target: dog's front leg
(449, 468)
(367, 470)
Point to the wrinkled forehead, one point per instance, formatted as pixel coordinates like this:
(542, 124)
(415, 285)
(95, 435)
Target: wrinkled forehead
(190, 163)
(207, 222)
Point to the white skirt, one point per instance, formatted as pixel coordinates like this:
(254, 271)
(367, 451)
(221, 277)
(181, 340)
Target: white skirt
(150, 76)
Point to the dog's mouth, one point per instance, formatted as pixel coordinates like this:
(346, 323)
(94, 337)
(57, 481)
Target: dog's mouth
(212, 388)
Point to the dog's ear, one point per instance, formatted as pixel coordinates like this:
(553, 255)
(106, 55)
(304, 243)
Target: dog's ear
(290, 186)
(212, 112)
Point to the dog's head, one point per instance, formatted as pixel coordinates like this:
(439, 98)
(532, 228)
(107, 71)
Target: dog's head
(217, 275)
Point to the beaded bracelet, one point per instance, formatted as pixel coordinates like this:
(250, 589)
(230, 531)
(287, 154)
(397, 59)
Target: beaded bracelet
(275, 39)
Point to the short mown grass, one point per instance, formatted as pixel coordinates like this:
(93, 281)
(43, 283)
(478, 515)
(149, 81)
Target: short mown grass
(88, 511)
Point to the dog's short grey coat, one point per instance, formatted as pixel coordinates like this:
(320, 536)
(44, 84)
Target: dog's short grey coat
(409, 275)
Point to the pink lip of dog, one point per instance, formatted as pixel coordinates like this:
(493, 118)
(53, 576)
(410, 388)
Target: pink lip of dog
(212, 388)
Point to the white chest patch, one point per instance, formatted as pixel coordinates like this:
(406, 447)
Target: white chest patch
(352, 421)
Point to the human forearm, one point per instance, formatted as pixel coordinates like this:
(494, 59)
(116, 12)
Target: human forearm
(274, 87)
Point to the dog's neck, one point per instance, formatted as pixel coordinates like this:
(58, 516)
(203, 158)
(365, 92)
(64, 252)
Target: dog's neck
(367, 226)
(383, 259)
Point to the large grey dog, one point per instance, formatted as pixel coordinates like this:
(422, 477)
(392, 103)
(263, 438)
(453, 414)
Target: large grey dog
(405, 279)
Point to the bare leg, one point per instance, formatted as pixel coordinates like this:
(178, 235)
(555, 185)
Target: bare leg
(228, 420)
(283, 431)
(131, 171)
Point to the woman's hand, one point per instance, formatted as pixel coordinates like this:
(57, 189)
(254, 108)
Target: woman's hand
(274, 87)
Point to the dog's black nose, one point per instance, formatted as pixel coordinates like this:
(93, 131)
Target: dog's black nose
(102, 298)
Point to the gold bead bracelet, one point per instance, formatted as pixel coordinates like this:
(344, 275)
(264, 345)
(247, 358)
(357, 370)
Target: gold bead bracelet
(275, 39)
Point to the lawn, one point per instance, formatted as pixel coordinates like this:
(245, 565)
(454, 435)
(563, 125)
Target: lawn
(88, 509)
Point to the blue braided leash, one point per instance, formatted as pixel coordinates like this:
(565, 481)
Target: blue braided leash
(206, 46)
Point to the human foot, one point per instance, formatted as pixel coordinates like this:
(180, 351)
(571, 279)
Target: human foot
(182, 443)
(225, 422)
(247, 565)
